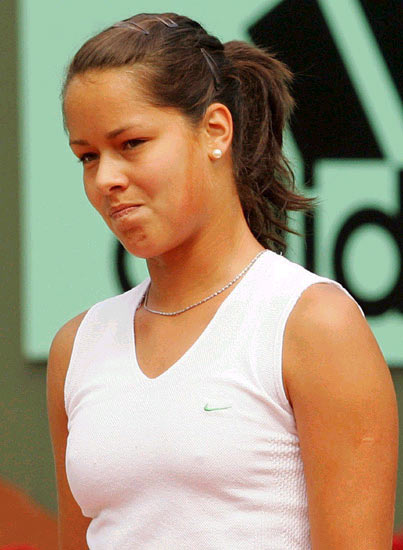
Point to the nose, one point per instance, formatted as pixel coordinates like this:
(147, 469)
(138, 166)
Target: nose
(110, 175)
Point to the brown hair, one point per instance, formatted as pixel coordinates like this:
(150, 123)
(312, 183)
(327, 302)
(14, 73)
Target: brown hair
(182, 66)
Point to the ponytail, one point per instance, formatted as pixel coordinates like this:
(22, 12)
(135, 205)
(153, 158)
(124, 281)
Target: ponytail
(266, 183)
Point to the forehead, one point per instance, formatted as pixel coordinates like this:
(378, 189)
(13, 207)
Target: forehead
(108, 97)
(111, 87)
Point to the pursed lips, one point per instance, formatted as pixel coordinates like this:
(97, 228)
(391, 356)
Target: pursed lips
(122, 209)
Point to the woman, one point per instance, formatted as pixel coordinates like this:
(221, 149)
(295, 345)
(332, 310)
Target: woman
(233, 399)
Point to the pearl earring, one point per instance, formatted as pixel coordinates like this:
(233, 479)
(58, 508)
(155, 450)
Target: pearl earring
(217, 153)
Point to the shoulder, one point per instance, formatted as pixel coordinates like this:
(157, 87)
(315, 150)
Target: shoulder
(323, 310)
(284, 277)
(63, 340)
(58, 363)
(62, 344)
(59, 358)
(328, 341)
(326, 308)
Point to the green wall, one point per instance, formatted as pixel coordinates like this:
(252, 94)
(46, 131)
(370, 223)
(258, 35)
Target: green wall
(25, 449)
(25, 452)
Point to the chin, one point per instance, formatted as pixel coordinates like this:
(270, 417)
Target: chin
(141, 248)
(143, 245)
(138, 251)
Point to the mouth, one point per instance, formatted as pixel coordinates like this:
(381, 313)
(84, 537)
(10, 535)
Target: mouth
(122, 210)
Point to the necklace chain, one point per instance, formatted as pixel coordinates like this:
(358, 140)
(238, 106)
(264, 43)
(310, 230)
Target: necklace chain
(234, 280)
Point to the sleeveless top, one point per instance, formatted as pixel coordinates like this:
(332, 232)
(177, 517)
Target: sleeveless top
(206, 455)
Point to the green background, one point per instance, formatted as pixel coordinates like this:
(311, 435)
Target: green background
(56, 256)
(68, 253)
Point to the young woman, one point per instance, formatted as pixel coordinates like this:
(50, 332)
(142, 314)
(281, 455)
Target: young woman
(233, 399)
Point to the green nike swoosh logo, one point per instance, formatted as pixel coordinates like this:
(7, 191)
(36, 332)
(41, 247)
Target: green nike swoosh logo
(206, 408)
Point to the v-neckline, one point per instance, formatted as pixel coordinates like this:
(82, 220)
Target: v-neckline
(200, 339)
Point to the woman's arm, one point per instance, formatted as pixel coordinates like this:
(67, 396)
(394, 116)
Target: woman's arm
(72, 525)
(345, 408)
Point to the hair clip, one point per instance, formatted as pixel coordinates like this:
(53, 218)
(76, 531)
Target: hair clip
(168, 23)
(213, 67)
(129, 24)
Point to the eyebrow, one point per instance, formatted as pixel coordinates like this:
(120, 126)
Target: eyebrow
(109, 135)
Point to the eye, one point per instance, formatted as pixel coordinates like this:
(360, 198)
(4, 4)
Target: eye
(86, 158)
(132, 143)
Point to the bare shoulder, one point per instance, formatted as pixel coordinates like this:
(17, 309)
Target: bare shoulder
(60, 354)
(324, 305)
(63, 340)
(326, 322)
(58, 363)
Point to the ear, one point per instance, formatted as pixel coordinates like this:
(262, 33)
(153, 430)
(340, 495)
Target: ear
(218, 128)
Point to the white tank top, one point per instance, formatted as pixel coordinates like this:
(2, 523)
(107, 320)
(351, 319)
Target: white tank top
(205, 456)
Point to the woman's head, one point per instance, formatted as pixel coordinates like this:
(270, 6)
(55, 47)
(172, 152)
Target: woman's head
(151, 159)
(178, 65)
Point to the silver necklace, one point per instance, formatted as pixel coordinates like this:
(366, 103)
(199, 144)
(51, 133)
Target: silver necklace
(234, 280)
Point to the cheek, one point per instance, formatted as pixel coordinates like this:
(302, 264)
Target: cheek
(93, 197)
(185, 176)
(178, 192)
(89, 192)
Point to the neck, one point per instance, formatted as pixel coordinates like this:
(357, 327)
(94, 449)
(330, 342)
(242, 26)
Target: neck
(190, 273)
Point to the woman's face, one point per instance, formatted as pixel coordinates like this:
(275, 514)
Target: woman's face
(145, 169)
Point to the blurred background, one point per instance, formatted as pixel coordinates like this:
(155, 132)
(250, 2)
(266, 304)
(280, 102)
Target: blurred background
(345, 144)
